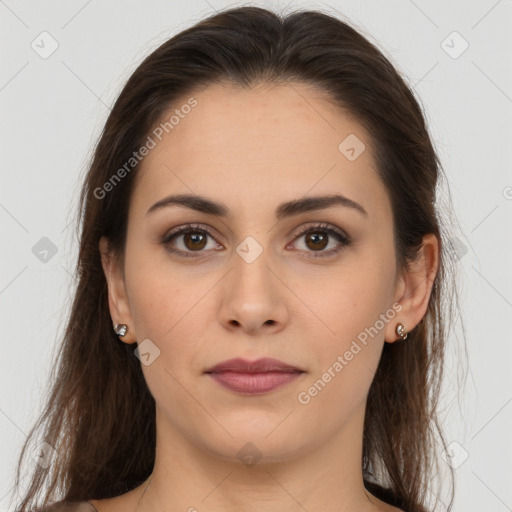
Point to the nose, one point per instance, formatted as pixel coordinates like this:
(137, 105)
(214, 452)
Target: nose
(253, 298)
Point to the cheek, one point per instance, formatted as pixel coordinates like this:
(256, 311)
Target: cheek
(154, 305)
(349, 342)
(346, 304)
(166, 311)
(159, 297)
(167, 307)
(346, 361)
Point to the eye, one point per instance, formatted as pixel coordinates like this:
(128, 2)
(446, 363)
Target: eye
(318, 237)
(194, 239)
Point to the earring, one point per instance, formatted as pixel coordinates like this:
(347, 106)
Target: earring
(120, 329)
(400, 331)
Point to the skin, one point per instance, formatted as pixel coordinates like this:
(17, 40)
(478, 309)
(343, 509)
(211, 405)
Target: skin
(251, 150)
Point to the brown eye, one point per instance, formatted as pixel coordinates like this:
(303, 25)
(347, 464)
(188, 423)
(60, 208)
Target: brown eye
(317, 241)
(189, 240)
(317, 238)
(194, 240)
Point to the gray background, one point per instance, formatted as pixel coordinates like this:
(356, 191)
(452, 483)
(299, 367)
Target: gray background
(53, 109)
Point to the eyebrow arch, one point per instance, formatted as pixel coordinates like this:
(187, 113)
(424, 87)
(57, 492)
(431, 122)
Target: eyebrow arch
(287, 209)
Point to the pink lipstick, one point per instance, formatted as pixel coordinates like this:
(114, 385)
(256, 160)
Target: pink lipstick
(253, 377)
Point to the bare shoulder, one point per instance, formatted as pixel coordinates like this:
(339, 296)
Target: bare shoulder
(391, 508)
(121, 503)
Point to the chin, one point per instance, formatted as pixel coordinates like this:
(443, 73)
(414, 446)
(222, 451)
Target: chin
(265, 441)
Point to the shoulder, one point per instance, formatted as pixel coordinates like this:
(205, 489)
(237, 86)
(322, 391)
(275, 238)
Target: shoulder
(68, 506)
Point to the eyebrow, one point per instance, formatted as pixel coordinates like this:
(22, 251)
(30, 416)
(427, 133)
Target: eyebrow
(287, 209)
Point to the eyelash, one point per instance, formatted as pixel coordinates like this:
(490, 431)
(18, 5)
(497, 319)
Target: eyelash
(339, 235)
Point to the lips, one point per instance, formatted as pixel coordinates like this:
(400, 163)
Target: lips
(253, 377)
(262, 365)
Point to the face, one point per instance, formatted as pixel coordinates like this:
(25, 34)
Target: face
(313, 288)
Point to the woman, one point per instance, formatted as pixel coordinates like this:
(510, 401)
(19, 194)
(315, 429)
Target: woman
(258, 322)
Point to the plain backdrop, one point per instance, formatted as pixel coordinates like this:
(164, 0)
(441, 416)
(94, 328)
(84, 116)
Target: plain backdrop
(55, 96)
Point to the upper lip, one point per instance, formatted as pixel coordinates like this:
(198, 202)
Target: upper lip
(262, 365)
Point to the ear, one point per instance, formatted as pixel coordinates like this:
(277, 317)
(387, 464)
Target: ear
(414, 288)
(117, 297)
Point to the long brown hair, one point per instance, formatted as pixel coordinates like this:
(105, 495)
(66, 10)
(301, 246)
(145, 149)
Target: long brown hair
(99, 415)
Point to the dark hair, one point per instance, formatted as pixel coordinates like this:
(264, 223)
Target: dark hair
(99, 415)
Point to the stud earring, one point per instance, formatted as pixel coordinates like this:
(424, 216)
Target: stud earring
(120, 329)
(400, 331)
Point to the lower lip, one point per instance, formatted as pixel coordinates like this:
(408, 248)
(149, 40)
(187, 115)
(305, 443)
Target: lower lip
(253, 383)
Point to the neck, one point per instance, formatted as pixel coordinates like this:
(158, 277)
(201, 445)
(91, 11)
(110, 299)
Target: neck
(325, 478)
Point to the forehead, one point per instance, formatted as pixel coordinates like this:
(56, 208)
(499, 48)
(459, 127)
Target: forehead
(265, 144)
